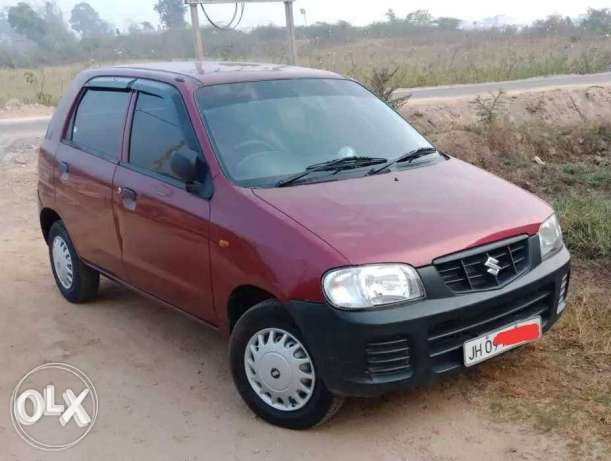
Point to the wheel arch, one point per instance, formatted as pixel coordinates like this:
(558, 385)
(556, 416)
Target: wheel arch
(242, 299)
(48, 217)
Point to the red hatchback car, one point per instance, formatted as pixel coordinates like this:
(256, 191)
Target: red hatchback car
(298, 214)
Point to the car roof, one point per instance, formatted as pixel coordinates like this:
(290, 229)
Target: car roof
(215, 72)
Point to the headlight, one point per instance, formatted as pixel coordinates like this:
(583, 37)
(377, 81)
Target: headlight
(550, 237)
(369, 286)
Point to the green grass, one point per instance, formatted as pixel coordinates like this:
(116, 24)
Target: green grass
(586, 223)
(582, 173)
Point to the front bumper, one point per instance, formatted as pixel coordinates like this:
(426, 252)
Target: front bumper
(372, 352)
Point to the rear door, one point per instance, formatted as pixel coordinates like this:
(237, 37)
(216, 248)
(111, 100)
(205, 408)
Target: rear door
(87, 159)
(164, 228)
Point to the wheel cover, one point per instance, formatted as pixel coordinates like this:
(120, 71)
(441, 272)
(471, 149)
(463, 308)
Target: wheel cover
(62, 262)
(279, 369)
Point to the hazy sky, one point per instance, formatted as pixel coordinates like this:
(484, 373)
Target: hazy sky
(123, 12)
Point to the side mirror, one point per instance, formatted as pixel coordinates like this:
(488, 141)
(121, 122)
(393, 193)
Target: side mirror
(194, 174)
(183, 168)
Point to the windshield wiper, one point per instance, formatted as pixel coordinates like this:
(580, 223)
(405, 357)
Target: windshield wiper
(409, 157)
(345, 163)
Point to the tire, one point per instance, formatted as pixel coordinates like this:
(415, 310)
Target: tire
(79, 283)
(265, 318)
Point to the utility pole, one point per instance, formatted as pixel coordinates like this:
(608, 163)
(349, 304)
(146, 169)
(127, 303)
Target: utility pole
(290, 27)
(197, 35)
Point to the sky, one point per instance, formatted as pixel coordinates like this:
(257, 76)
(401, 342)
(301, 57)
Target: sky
(359, 12)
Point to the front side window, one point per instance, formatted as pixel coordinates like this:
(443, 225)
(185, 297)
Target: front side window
(264, 131)
(98, 123)
(161, 129)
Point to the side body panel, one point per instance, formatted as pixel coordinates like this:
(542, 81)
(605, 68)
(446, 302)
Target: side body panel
(165, 237)
(253, 244)
(48, 148)
(84, 201)
(46, 177)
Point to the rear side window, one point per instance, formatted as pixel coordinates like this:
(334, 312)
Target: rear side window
(161, 128)
(98, 124)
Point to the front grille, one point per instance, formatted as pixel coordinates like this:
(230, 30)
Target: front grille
(388, 358)
(446, 338)
(470, 272)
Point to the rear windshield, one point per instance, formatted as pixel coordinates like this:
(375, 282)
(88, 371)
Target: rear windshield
(264, 131)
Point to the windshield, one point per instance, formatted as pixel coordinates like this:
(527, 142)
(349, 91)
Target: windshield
(264, 131)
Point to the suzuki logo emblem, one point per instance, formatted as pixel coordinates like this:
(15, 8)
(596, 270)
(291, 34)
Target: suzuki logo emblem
(493, 266)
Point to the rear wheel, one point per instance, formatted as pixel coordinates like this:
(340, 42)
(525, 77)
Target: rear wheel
(77, 282)
(275, 373)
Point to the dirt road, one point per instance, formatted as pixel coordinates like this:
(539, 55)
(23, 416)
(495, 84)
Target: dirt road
(163, 381)
(526, 85)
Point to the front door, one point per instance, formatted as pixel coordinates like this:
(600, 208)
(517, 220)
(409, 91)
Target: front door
(164, 229)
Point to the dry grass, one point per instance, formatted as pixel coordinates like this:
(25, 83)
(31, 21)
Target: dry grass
(51, 81)
(427, 58)
(439, 60)
(562, 384)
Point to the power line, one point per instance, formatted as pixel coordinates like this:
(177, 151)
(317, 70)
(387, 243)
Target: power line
(233, 24)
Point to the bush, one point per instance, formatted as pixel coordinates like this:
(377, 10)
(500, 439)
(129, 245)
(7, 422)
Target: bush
(586, 223)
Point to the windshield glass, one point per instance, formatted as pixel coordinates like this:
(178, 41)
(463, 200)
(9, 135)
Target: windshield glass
(264, 131)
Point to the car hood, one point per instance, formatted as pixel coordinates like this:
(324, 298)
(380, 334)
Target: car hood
(411, 216)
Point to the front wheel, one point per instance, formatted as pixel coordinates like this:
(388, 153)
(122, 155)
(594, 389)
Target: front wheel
(274, 372)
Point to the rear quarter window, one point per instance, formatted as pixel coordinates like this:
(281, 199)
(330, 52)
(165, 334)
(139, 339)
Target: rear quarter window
(97, 127)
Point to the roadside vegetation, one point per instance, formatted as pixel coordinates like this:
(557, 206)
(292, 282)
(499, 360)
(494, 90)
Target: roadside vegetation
(415, 50)
(562, 384)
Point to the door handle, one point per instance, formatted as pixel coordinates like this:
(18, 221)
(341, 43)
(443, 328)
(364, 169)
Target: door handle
(64, 168)
(129, 197)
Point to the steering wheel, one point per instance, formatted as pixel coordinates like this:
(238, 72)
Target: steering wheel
(257, 147)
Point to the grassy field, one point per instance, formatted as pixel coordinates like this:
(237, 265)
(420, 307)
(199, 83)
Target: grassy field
(431, 59)
(44, 85)
(471, 59)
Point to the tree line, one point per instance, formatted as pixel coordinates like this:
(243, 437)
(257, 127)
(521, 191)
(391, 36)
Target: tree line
(30, 35)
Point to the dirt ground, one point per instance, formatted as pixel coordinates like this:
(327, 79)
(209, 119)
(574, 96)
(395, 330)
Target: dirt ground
(164, 385)
(560, 107)
(15, 109)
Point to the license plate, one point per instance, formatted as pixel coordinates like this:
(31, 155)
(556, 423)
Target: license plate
(496, 342)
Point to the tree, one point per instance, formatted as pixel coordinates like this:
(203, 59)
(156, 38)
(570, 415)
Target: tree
(448, 23)
(391, 15)
(419, 18)
(141, 28)
(597, 21)
(86, 21)
(553, 24)
(25, 21)
(45, 28)
(171, 13)
(5, 27)
(147, 27)
(56, 31)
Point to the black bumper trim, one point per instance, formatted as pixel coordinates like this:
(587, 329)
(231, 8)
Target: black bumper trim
(491, 319)
(340, 341)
